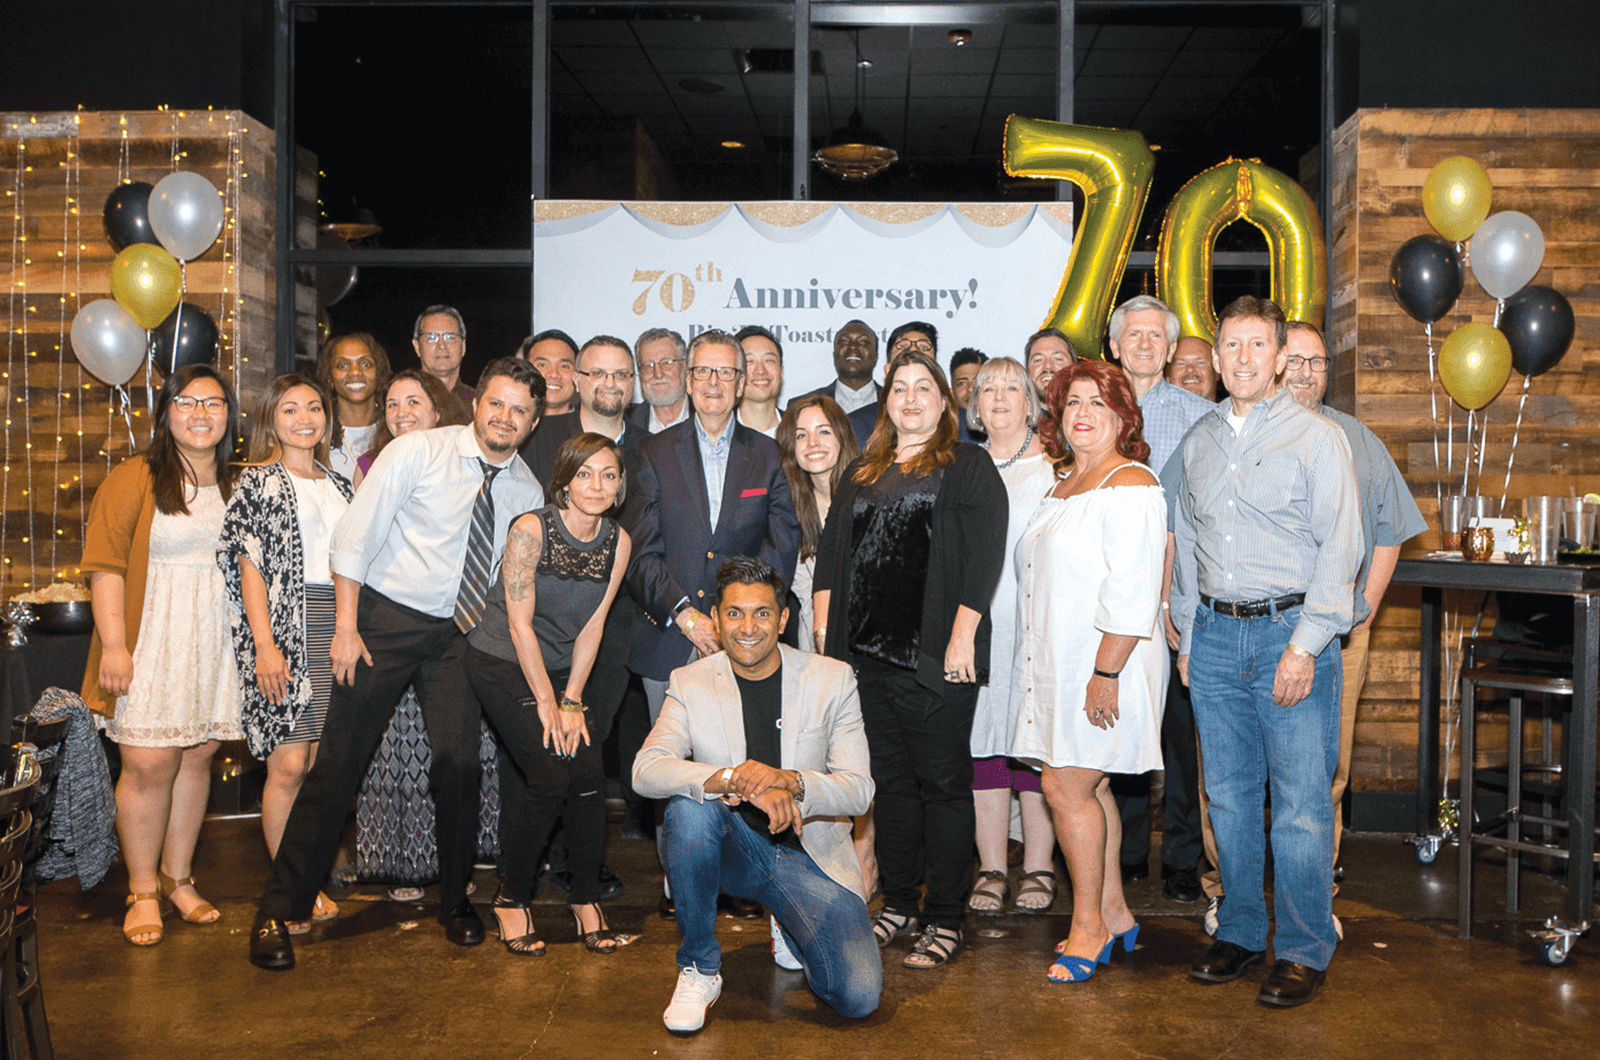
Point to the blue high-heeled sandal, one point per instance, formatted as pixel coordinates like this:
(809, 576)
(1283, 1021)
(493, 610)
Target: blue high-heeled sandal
(1128, 939)
(1082, 968)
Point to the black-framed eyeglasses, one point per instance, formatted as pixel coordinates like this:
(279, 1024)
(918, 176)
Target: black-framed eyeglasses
(621, 375)
(703, 373)
(1318, 364)
(185, 403)
(436, 337)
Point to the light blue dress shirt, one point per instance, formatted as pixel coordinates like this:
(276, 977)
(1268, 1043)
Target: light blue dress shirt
(1169, 411)
(714, 462)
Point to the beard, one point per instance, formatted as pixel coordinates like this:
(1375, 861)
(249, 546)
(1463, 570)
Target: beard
(608, 403)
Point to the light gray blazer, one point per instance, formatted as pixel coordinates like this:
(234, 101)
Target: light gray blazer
(701, 730)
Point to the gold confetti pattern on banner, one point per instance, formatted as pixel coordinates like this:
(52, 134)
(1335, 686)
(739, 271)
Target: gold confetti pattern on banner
(1061, 211)
(993, 215)
(680, 213)
(785, 214)
(895, 213)
(561, 209)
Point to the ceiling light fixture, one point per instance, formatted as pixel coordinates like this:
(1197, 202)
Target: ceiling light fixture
(732, 145)
(959, 37)
(856, 152)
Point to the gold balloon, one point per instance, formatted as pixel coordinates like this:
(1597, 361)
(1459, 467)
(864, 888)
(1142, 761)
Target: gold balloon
(1455, 197)
(1114, 168)
(1241, 190)
(1474, 364)
(147, 282)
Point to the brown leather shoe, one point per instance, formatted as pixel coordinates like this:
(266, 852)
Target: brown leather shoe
(1224, 962)
(1291, 984)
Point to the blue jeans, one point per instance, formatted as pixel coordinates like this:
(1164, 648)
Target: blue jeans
(1247, 741)
(709, 847)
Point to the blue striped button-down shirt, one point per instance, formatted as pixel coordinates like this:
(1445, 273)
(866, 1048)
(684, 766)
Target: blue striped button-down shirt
(1268, 511)
(1169, 411)
(714, 461)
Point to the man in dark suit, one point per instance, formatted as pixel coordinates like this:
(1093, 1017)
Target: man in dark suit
(698, 494)
(855, 358)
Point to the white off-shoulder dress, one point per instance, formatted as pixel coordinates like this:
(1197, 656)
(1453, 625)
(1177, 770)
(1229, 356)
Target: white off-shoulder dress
(1090, 565)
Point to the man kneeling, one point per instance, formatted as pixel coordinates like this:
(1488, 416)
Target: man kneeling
(778, 835)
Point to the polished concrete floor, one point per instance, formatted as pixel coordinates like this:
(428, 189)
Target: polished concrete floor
(382, 982)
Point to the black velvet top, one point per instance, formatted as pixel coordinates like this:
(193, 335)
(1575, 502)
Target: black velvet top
(891, 532)
(966, 558)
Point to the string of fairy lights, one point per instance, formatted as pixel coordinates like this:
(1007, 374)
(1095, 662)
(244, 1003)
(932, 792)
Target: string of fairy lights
(27, 455)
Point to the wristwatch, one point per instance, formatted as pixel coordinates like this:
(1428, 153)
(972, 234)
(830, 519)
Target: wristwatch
(800, 784)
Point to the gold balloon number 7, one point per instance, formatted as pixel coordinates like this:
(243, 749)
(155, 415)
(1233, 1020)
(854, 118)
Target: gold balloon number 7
(1114, 168)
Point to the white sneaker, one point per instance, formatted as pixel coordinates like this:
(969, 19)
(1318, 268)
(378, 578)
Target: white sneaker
(693, 995)
(782, 955)
(1211, 916)
(1338, 928)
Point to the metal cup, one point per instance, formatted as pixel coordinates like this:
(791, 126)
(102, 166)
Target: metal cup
(1577, 522)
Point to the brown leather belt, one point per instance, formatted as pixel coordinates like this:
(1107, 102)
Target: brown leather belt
(1253, 608)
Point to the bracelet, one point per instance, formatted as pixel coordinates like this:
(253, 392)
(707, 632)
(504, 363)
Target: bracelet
(1109, 676)
(569, 705)
(1301, 651)
(820, 632)
(1166, 606)
(727, 777)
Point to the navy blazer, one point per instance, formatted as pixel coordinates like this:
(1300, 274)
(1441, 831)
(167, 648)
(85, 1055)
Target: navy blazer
(676, 552)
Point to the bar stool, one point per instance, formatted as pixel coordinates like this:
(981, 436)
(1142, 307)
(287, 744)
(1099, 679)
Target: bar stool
(1505, 830)
(42, 742)
(17, 824)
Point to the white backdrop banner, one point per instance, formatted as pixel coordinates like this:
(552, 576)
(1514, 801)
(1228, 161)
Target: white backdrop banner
(983, 274)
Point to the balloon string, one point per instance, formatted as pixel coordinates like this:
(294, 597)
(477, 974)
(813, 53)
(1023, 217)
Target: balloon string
(1515, 431)
(177, 317)
(1499, 307)
(1483, 445)
(1466, 463)
(125, 404)
(149, 382)
(1433, 408)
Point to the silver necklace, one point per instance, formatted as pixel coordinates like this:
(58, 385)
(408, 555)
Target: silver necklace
(1027, 440)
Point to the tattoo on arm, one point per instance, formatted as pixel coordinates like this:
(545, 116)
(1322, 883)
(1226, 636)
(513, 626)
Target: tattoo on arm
(524, 545)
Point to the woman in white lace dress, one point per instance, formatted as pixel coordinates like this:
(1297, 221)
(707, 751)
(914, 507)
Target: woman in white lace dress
(161, 666)
(1091, 658)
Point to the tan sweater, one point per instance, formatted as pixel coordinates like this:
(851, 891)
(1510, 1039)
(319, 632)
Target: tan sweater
(118, 542)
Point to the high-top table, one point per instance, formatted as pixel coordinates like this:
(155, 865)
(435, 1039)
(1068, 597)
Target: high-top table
(1582, 584)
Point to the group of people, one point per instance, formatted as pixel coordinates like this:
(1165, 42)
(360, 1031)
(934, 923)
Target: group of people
(861, 624)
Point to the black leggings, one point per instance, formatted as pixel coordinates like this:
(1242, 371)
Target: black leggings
(573, 788)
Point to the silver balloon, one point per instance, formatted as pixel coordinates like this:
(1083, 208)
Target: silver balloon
(1506, 252)
(107, 341)
(186, 214)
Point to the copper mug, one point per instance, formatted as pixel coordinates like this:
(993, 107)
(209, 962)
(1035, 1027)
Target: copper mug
(1477, 543)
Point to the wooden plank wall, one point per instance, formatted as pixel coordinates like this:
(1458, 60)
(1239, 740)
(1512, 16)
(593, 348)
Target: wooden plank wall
(61, 433)
(1545, 163)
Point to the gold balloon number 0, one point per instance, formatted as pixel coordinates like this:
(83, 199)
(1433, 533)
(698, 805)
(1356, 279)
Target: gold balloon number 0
(1114, 168)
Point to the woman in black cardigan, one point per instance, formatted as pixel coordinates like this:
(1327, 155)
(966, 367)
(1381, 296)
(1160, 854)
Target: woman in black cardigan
(909, 560)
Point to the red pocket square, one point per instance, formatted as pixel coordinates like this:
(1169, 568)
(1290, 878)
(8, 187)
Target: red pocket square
(753, 493)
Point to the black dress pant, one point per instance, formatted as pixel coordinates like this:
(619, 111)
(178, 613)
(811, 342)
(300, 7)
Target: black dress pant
(1180, 816)
(407, 647)
(552, 787)
(921, 747)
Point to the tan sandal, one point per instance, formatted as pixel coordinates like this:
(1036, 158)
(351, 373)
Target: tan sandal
(990, 894)
(202, 913)
(1043, 883)
(144, 926)
(324, 909)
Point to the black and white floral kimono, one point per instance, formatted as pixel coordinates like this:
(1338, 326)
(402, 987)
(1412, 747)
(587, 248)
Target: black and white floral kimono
(263, 524)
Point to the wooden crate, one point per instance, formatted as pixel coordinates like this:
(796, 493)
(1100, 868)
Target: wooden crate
(63, 429)
(1545, 163)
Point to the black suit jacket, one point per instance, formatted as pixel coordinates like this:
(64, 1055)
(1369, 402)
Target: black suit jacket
(863, 419)
(544, 444)
(676, 552)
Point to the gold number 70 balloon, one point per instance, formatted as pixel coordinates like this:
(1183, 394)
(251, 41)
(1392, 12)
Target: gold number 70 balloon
(1113, 167)
(1227, 192)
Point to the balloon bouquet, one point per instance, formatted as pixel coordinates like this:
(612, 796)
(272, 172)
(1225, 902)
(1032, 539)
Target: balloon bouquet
(1533, 325)
(154, 231)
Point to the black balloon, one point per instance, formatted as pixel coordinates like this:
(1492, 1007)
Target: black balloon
(1426, 277)
(1538, 323)
(127, 216)
(187, 336)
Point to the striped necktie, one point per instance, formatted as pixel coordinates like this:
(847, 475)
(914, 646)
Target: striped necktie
(480, 547)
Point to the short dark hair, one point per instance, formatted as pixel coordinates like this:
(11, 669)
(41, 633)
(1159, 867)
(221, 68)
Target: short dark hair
(756, 331)
(449, 311)
(548, 333)
(603, 340)
(1249, 306)
(914, 325)
(518, 371)
(964, 356)
(1048, 333)
(748, 570)
(575, 452)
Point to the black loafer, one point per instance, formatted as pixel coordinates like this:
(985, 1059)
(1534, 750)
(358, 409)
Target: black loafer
(1290, 984)
(1182, 886)
(741, 908)
(270, 947)
(1224, 962)
(667, 909)
(610, 884)
(462, 925)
